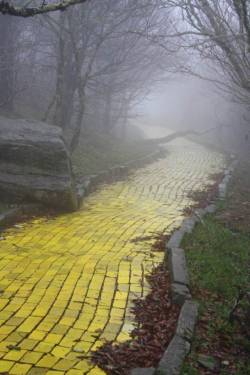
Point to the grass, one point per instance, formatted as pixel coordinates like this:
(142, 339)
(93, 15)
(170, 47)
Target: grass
(218, 255)
(215, 253)
(97, 152)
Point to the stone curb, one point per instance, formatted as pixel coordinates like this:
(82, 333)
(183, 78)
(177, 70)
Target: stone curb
(179, 347)
(88, 184)
(177, 266)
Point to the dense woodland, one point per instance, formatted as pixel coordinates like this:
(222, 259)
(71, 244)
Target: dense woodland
(88, 67)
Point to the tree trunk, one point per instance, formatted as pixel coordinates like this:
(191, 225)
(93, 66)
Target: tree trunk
(107, 126)
(78, 126)
(66, 81)
(7, 24)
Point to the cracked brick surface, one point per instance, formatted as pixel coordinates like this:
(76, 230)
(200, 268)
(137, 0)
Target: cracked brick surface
(67, 283)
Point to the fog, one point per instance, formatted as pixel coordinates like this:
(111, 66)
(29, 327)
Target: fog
(116, 67)
(127, 70)
(124, 187)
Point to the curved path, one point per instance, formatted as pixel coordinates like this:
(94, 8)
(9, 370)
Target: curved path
(66, 284)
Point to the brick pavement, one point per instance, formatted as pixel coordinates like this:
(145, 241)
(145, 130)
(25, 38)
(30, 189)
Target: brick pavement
(67, 283)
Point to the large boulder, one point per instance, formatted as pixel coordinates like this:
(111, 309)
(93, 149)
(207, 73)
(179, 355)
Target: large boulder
(35, 165)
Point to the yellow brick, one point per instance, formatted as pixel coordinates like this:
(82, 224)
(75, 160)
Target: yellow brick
(40, 312)
(47, 361)
(4, 344)
(64, 364)
(83, 366)
(53, 338)
(44, 347)
(28, 344)
(60, 351)
(67, 321)
(15, 321)
(29, 324)
(16, 337)
(6, 329)
(31, 357)
(97, 345)
(59, 329)
(5, 365)
(74, 372)
(37, 335)
(20, 369)
(74, 333)
(96, 371)
(15, 355)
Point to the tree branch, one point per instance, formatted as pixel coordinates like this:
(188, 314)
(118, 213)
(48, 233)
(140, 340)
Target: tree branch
(7, 8)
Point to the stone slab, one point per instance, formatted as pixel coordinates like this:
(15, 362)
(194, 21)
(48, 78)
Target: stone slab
(200, 213)
(172, 359)
(175, 239)
(178, 266)
(180, 293)
(187, 320)
(211, 208)
(143, 371)
(188, 224)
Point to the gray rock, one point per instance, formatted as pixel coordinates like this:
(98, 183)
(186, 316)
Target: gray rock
(188, 224)
(200, 213)
(226, 179)
(177, 266)
(208, 362)
(35, 164)
(175, 239)
(180, 293)
(187, 320)
(172, 359)
(211, 208)
(10, 215)
(233, 165)
(143, 371)
(222, 190)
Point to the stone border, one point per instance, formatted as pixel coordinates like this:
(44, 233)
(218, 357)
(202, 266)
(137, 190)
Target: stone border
(179, 347)
(89, 183)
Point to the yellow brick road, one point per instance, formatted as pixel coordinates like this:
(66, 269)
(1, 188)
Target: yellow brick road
(67, 283)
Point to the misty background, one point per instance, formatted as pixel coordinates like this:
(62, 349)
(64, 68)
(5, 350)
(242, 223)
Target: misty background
(118, 67)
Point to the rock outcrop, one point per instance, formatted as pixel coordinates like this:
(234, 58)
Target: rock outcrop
(35, 165)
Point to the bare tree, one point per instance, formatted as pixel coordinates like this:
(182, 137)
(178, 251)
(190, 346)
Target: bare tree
(93, 59)
(6, 7)
(8, 32)
(219, 33)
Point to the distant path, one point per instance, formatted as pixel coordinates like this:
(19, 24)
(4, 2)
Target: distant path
(67, 283)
